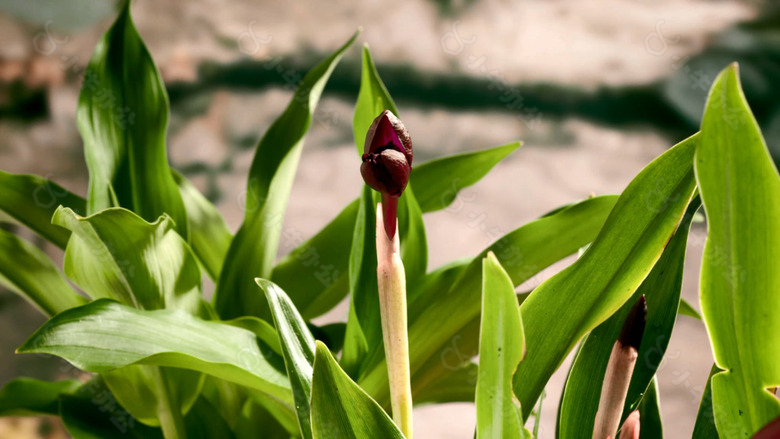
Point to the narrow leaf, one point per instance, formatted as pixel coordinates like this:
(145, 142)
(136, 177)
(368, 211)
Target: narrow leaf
(31, 397)
(586, 293)
(650, 413)
(32, 200)
(501, 348)
(28, 272)
(705, 418)
(340, 408)
(740, 281)
(662, 289)
(209, 235)
(374, 98)
(122, 117)
(253, 250)
(298, 347)
(312, 274)
(444, 178)
(364, 330)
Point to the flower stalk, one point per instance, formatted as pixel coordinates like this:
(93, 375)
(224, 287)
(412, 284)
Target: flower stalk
(618, 375)
(392, 304)
(386, 166)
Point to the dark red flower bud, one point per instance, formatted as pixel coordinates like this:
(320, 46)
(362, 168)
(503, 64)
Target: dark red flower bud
(387, 163)
(634, 325)
(387, 158)
(386, 172)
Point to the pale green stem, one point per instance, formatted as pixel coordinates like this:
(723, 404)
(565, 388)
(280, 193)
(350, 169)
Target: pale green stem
(392, 305)
(168, 408)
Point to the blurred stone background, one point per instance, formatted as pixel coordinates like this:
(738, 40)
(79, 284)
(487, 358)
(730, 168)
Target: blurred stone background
(595, 89)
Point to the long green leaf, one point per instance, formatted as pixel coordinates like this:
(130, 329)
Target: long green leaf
(28, 272)
(661, 289)
(298, 347)
(374, 98)
(139, 390)
(209, 234)
(32, 200)
(650, 413)
(448, 326)
(740, 281)
(116, 254)
(586, 293)
(253, 250)
(444, 178)
(501, 348)
(122, 117)
(363, 325)
(31, 397)
(459, 385)
(105, 335)
(202, 422)
(314, 274)
(340, 408)
(705, 418)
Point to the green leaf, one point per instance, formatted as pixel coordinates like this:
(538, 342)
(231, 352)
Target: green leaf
(209, 235)
(686, 309)
(740, 188)
(411, 228)
(264, 331)
(28, 272)
(651, 426)
(122, 117)
(298, 347)
(444, 178)
(105, 335)
(138, 389)
(661, 289)
(705, 418)
(93, 413)
(422, 294)
(254, 418)
(227, 398)
(374, 98)
(314, 273)
(32, 200)
(201, 422)
(31, 397)
(340, 408)
(253, 250)
(501, 348)
(116, 254)
(456, 386)
(364, 328)
(448, 327)
(586, 293)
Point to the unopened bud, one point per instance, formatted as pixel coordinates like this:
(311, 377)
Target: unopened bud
(387, 155)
